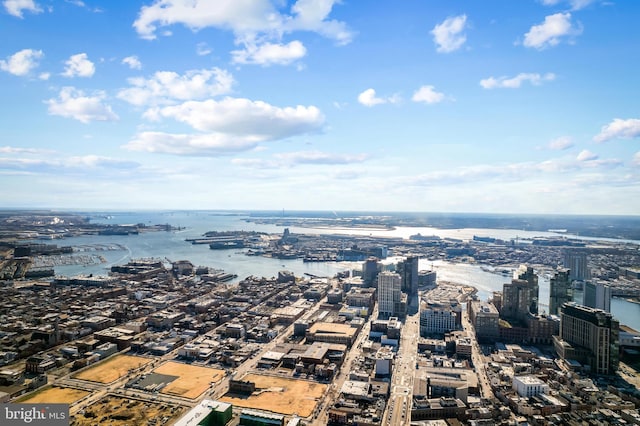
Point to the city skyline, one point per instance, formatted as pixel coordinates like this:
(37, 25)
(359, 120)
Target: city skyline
(453, 106)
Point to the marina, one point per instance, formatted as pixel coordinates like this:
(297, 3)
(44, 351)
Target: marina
(176, 245)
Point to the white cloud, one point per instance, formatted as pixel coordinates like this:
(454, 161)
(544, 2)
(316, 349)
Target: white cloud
(96, 161)
(228, 126)
(516, 82)
(165, 86)
(22, 62)
(239, 116)
(575, 4)
(515, 171)
(44, 76)
(586, 155)
(551, 31)
(79, 66)
(619, 129)
(292, 159)
(561, 143)
(269, 53)
(427, 94)
(203, 49)
(311, 15)
(636, 159)
(369, 98)
(580, 4)
(133, 62)
(240, 16)
(246, 18)
(69, 165)
(448, 35)
(255, 163)
(212, 144)
(16, 150)
(16, 7)
(318, 157)
(73, 103)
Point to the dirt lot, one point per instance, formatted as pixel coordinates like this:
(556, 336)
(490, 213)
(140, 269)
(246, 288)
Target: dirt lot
(629, 372)
(192, 380)
(111, 369)
(118, 411)
(54, 395)
(280, 395)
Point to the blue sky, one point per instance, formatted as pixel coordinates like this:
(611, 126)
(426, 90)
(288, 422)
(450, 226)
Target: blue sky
(528, 106)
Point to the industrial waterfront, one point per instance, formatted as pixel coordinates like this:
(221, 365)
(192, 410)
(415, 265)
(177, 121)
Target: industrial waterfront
(174, 317)
(193, 224)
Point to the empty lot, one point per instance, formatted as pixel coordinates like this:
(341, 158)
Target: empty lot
(280, 395)
(111, 369)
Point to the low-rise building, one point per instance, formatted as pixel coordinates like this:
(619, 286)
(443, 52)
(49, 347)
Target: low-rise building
(330, 332)
(528, 386)
(437, 408)
(207, 412)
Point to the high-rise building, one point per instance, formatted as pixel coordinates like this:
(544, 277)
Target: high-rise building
(526, 273)
(520, 297)
(589, 336)
(408, 270)
(560, 290)
(576, 261)
(389, 293)
(370, 270)
(597, 295)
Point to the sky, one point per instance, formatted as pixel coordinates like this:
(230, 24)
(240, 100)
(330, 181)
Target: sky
(500, 106)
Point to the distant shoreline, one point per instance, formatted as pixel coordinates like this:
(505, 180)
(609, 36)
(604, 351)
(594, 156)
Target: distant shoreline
(595, 226)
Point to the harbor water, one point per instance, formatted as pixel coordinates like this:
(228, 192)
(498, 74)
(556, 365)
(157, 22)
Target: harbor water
(171, 246)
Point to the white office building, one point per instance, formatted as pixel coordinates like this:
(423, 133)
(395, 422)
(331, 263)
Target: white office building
(528, 386)
(597, 295)
(389, 293)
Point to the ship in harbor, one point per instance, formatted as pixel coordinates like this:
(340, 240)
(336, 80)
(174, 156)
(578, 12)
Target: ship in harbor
(223, 240)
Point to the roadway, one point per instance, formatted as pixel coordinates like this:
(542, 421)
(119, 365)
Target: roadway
(478, 359)
(398, 410)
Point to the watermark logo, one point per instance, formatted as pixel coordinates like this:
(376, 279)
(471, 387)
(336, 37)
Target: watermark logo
(34, 414)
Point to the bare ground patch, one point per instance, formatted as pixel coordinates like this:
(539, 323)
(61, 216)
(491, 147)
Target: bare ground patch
(54, 395)
(280, 395)
(119, 411)
(192, 380)
(111, 369)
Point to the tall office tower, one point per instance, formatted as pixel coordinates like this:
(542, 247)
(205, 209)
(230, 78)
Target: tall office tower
(560, 291)
(597, 295)
(408, 270)
(525, 272)
(589, 336)
(520, 297)
(370, 272)
(576, 262)
(389, 293)
(517, 300)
